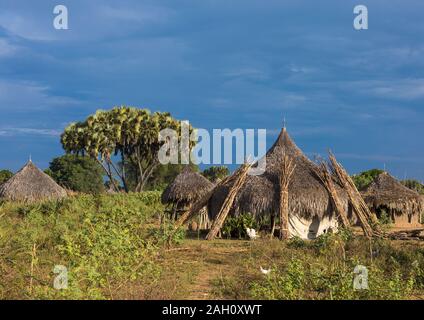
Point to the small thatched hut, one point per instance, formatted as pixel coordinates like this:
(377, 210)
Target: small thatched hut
(30, 184)
(403, 205)
(311, 212)
(186, 188)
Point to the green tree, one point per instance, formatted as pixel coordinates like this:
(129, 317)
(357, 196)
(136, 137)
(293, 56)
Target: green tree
(414, 185)
(78, 173)
(124, 134)
(5, 175)
(216, 173)
(364, 179)
(160, 178)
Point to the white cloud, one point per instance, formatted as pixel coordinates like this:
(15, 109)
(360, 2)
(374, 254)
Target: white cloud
(30, 96)
(9, 132)
(26, 26)
(6, 49)
(139, 14)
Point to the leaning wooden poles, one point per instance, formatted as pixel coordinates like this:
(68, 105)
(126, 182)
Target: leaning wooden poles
(365, 216)
(240, 178)
(287, 170)
(327, 180)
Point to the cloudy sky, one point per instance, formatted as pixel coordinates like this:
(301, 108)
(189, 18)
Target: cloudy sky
(221, 64)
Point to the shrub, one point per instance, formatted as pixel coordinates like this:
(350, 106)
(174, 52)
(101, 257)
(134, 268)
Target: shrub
(77, 173)
(5, 175)
(101, 240)
(236, 226)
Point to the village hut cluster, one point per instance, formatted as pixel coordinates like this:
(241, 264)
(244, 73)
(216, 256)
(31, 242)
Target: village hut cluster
(308, 198)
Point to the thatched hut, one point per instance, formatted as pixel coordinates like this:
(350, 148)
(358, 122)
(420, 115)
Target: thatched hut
(187, 188)
(311, 212)
(30, 184)
(403, 205)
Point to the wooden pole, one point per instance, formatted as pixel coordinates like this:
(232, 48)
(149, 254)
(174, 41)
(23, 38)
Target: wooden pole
(229, 200)
(327, 180)
(194, 209)
(362, 211)
(285, 177)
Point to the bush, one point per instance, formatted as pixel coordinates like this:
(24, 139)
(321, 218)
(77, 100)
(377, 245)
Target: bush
(364, 179)
(325, 269)
(77, 173)
(101, 240)
(5, 175)
(235, 227)
(216, 173)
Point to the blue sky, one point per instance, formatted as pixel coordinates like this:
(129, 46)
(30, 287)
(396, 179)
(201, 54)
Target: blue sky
(221, 64)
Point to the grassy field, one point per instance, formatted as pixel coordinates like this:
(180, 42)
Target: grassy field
(113, 247)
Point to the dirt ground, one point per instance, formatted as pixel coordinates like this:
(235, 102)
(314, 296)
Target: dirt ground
(197, 263)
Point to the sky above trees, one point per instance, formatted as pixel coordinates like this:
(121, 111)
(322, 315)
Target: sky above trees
(220, 64)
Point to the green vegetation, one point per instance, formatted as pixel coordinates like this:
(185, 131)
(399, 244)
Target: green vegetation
(129, 133)
(5, 175)
(235, 227)
(325, 269)
(114, 247)
(216, 173)
(77, 173)
(414, 185)
(101, 240)
(365, 178)
(160, 178)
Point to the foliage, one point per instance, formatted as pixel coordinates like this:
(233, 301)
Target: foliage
(160, 178)
(129, 133)
(216, 173)
(235, 227)
(325, 269)
(285, 285)
(101, 240)
(414, 185)
(5, 175)
(77, 173)
(364, 179)
(384, 217)
(162, 235)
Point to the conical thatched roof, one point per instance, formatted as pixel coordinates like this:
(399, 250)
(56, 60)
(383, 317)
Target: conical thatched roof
(187, 187)
(30, 184)
(308, 197)
(386, 191)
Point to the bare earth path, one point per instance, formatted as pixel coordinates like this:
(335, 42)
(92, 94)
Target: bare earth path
(197, 263)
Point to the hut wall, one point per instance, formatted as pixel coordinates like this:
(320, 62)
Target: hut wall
(311, 228)
(405, 221)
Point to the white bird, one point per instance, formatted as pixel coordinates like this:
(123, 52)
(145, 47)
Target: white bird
(264, 271)
(251, 233)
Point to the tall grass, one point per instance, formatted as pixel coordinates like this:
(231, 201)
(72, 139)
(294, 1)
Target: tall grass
(101, 240)
(325, 269)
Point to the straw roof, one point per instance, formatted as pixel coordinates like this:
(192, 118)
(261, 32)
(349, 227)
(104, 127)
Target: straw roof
(308, 197)
(30, 184)
(386, 191)
(187, 187)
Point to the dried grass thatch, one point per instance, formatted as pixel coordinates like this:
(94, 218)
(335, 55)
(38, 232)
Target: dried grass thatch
(260, 195)
(187, 187)
(30, 184)
(385, 191)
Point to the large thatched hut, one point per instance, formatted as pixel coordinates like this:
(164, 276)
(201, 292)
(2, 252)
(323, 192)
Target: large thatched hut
(403, 205)
(311, 212)
(30, 184)
(186, 189)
